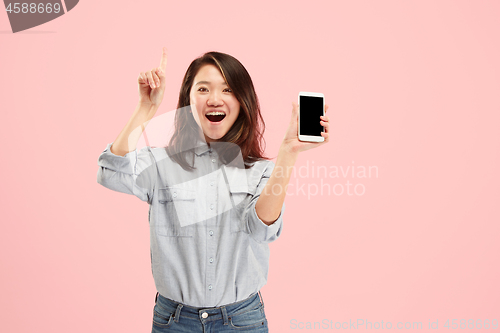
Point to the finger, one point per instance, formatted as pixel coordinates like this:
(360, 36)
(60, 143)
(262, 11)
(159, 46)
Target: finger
(142, 78)
(325, 135)
(163, 62)
(324, 118)
(155, 77)
(160, 74)
(151, 81)
(326, 108)
(324, 124)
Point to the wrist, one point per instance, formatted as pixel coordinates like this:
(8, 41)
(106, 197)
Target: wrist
(288, 153)
(289, 149)
(146, 107)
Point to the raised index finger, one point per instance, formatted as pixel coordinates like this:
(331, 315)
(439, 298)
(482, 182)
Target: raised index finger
(163, 62)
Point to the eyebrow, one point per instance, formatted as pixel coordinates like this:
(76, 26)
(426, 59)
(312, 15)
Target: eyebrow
(208, 82)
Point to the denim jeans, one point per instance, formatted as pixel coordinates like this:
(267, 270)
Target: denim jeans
(244, 316)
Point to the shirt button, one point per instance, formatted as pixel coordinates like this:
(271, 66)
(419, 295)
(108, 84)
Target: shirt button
(204, 315)
(213, 160)
(174, 194)
(212, 183)
(211, 207)
(211, 260)
(209, 287)
(211, 233)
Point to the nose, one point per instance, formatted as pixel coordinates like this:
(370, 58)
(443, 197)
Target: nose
(214, 99)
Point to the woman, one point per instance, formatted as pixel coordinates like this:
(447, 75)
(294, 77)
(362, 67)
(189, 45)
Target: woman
(215, 201)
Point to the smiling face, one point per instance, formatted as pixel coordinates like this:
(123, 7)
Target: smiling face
(215, 107)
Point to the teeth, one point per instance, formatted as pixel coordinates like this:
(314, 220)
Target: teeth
(216, 113)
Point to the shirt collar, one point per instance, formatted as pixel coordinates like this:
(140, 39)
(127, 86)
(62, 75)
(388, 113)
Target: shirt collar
(201, 147)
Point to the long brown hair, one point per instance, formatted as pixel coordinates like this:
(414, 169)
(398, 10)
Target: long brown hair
(246, 134)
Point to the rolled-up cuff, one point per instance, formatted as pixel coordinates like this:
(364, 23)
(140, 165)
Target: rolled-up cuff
(118, 163)
(262, 232)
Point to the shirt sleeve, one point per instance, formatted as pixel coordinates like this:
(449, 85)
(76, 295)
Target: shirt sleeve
(260, 231)
(132, 174)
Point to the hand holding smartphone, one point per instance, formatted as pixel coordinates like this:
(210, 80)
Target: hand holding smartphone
(311, 107)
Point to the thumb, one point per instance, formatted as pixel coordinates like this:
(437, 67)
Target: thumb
(161, 74)
(295, 110)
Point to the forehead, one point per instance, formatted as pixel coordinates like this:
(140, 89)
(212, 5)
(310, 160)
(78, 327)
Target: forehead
(209, 73)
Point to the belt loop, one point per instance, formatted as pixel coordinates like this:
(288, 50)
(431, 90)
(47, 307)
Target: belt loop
(261, 299)
(178, 312)
(156, 298)
(224, 315)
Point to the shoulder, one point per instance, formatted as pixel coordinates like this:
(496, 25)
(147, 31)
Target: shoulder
(261, 169)
(264, 163)
(159, 153)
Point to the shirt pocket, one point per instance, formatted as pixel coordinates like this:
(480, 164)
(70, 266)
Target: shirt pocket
(241, 199)
(176, 211)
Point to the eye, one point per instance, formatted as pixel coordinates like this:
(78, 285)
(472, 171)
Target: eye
(202, 89)
(228, 90)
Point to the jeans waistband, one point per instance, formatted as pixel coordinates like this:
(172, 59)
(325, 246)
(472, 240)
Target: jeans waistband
(210, 313)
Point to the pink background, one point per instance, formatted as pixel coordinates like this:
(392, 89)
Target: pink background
(413, 89)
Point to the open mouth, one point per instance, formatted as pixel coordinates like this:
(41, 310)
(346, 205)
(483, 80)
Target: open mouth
(215, 116)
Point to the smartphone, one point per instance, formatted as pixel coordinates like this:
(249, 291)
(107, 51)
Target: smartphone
(311, 107)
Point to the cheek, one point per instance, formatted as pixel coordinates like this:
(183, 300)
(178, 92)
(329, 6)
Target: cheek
(235, 106)
(194, 97)
(195, 112)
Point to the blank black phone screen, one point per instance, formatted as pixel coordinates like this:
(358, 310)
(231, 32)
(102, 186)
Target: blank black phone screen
(311, 108)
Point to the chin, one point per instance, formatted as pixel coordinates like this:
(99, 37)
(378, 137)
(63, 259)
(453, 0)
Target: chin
(214, 134)
(215, 138)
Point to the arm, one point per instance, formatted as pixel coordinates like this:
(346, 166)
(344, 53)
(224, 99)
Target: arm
(271, 200)
(130, 134)
(121, 167)
(120, 164)
(151, 90)
(268, 206)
